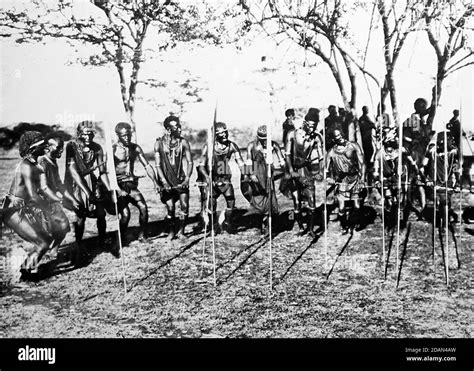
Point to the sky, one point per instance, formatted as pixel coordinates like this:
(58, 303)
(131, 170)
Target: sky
(42, 83)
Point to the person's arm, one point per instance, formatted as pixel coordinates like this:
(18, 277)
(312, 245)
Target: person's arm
(248, 173)
(148, 168)
(279, 154)
(411, 161)
(360, 159)
(289, 143)
(159, 170)
(202, 167)
(46, 191)
(329, 176)
(27, 174)
(187, 161)
(102, 168)
(74, 171)
(376, 168)
(238, 157)
(456, 172)
(426, 167)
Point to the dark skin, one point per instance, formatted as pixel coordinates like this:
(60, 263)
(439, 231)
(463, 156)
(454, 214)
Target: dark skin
(54, 151)
(391, 152)
(221, 143)
(421, 108)
(30, 185)
(342, 143)
(302, 139)
(125, 155)
(86, 137)
(174, 131)
(262, 147)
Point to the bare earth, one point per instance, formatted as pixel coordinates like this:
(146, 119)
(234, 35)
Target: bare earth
(167, 298)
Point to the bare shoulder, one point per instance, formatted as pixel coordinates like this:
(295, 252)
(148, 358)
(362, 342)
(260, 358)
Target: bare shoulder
(96, 147)
(157, 144)
(233, 146)
(185, 143)
(136, 148)
(275, 145)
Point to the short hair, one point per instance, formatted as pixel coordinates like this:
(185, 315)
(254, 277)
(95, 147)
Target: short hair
(54, 136)
(419, 101)
(85, 125)
(27, 140)
(220, 125)
(122, 125)
(169, 120)
(456, 112)
(290, 112)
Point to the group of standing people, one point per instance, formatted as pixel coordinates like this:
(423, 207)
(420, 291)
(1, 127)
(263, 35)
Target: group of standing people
(351, 154)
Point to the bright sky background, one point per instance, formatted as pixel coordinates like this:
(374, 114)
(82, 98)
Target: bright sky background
(39, 84)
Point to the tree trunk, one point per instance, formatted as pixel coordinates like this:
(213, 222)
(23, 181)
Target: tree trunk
(436, 92)
(393, 96)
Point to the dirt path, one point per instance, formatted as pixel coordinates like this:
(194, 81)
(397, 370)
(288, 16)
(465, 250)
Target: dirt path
(167, 296)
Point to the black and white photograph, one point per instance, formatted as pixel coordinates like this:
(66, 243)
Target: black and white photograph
(237, 169)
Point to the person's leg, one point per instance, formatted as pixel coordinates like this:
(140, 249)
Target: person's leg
(101, 222)
(59, 226)
(310, 194)
(170, 222)
(28, 232)
(124, 211)
(230, 205)
(79, 226)
(212, 207)
(183, 218)
(295, 196)
(342, 212)
(203, 212)
(137, 200)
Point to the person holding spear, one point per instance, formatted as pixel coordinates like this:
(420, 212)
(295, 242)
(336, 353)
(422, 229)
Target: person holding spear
(125, 154)
(434, 166)
(257, 187)
(303, 157)
(174, 165)
(83, 157)
(346, 169)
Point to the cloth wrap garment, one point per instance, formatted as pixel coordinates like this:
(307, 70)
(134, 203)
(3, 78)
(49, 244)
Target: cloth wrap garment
(258, 193)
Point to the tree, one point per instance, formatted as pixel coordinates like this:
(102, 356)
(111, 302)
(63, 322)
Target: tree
(447, 26)
(119, 29)
(319, 27)
(398, 20)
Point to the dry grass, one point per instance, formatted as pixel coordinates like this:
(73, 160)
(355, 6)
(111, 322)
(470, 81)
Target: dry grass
(166, 298)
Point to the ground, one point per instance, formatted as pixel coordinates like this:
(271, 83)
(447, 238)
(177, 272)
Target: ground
(170, 287)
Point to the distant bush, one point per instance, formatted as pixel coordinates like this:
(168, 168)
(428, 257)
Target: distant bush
(9, 137)
(198, 137)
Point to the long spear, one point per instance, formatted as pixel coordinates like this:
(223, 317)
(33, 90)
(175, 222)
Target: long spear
(115, 188)
(446, 210)
(382, 191)
(325, 199)
(210, 158)
(399, 170)
(269, 161)
(461, 160)
(435, 205)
